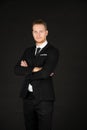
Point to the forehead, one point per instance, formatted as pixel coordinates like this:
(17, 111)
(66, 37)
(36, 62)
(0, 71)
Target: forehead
(38, 26)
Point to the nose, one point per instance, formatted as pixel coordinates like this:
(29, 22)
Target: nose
(38, 34)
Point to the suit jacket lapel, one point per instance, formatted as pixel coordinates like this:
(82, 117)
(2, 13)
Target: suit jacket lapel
(44, 48)
(33, 49)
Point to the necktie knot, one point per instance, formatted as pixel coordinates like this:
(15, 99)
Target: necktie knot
(37, 51)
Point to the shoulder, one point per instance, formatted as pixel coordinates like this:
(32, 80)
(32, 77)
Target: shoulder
(29, 49)
(53, 50)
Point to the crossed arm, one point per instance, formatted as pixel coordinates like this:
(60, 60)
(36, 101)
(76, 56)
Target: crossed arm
(37, 72)
(35, 69)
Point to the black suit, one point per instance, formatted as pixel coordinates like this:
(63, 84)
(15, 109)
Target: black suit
(41, 81)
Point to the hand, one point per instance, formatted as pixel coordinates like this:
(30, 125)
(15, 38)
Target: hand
(36, 69)
(24, 63)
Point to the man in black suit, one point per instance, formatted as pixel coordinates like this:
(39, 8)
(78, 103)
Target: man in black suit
(38, 65)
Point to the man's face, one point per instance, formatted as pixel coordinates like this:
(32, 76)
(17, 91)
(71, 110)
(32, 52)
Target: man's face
(39, 33)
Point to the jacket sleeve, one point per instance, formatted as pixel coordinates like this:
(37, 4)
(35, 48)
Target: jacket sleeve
(20, 70)
(48, 67)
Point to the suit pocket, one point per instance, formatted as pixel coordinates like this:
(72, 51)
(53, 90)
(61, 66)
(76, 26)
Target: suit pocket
(41, 60)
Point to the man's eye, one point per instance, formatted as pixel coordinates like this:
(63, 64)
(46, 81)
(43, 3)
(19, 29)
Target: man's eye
(41, 31)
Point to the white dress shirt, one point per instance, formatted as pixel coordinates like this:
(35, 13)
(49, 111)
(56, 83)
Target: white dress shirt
(30, 87)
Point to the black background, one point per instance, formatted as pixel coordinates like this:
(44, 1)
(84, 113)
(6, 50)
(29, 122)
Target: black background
(67, 25)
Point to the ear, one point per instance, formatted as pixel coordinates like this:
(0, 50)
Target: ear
(46, 32)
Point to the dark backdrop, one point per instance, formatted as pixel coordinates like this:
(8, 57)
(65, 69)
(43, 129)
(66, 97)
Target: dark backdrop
(67, 24)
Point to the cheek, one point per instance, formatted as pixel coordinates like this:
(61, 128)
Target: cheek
(34, 36)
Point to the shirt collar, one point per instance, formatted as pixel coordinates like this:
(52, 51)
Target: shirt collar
(42, 45)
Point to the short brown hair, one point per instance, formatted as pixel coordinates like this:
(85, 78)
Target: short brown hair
(40, 21)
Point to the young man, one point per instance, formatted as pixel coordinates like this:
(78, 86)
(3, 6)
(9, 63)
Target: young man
(38, 67)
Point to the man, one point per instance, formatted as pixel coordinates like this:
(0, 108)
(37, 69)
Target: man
(38, 67)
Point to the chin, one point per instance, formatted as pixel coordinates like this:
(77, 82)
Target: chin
(39, 41)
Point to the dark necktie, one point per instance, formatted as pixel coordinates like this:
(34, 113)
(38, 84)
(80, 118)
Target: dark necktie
(38, 49)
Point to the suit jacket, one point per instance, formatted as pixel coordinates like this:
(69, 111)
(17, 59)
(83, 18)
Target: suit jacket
(41, 81)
